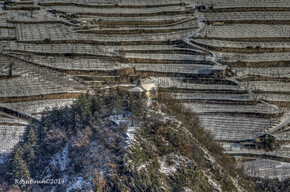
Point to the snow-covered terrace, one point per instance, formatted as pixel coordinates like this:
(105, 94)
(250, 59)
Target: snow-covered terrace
(37, 16)
(3, 21)
(33, 80)
(135, 37)
(7, 33)
(172, 68)
(246, 31)
(212, 96)
(243, 3)
(229, 127)
(9, 120)
(56, 48)
(10, 135)
(283, 136)
(176, 82)
(66, 63)
(32, 86)
(256, 57)
(261, 15)
(242, 44)
(267, 169)
(80, 10)
(113, 2)
(218, 108)
(275, 97)
(155, 18)
(37, 107)
(267, 71)
(36, 32)
(167, 56)
(267, 86)
(283, 151)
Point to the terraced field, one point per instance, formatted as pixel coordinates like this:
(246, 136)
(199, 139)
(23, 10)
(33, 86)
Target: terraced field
(252, 38)
(66, 47)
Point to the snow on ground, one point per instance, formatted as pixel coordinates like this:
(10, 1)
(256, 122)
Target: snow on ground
(61, 159)
(267, 169)
(284, 122)
(34, 107)
(172, 163)
(282, 152)
(215, 184)
(121, 120)
(143, 166)
(78, 184)
(267, 71)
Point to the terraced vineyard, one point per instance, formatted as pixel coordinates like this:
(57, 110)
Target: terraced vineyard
(228, 62)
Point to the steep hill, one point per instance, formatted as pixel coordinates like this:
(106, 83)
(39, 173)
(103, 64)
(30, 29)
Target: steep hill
(93, 146)
(225, 62)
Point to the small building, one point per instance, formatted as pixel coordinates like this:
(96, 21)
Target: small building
(149, 90)
(219, 71)
(263, 137)
(238, 159)
(265, 141)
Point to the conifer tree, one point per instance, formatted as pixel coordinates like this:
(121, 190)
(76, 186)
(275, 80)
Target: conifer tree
(29, 154)
(84, 104)
(31, 138)
(19, 168)
(95, 105)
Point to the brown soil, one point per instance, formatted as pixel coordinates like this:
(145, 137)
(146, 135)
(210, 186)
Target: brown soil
(110, 6)
(39, 97)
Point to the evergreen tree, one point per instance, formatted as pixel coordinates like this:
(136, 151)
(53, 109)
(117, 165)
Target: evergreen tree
(84, 105)
(95, 105)
(43, 129)
(19, 168)
(31, 138)
(29, 154)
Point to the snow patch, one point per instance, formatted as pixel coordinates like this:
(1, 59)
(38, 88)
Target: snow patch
(131, 128)
(61, 159)
(78, 184)
(172, 163)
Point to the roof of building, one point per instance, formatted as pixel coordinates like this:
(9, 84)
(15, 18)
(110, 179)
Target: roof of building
(144, 88)
(137, 90)
(149, 87)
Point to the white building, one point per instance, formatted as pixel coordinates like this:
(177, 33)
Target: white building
(149, 90)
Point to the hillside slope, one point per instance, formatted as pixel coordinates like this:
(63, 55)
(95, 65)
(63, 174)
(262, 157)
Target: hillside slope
(226, 62)
(93, 146)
